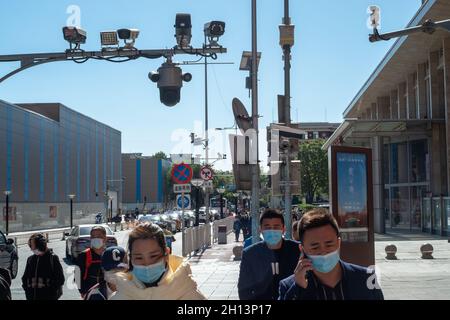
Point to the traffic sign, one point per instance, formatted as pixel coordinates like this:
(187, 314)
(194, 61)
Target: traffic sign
(206, 173)
(186, 203)
(181, 158)
(197, 182)
(182, 173)
(181, 188)
(208, 185)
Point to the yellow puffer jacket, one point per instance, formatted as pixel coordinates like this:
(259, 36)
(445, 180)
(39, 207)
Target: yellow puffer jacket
(176, 284)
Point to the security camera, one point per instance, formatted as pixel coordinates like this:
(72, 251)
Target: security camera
(74, 35)
(129, 36)
(183, 29)
(170, 80)
(214, 29)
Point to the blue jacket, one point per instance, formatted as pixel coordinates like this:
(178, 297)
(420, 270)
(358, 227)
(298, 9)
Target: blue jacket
(358, 284)
(257, 270)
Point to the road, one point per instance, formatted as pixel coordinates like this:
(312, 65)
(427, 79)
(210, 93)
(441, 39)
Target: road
(70, 292)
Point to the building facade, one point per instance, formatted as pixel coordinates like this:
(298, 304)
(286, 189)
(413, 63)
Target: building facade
(51, 152)
(145, 182)
(402, 114)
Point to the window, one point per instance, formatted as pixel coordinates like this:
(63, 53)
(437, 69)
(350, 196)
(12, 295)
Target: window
(399, 160)
(419, 152)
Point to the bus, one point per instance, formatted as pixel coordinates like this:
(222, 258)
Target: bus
(214, 204)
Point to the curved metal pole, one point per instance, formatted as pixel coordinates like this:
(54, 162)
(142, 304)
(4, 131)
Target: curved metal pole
(22, 68)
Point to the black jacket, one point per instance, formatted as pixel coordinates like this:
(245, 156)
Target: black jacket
(358, 283)
(5, 283)
(258, 277)
(95, 273)
(43, 277)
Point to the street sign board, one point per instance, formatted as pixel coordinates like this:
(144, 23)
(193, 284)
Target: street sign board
(206, 173)
(181, 188)
(184, 201)
(197, 182)
(208, 184)
(182, 173)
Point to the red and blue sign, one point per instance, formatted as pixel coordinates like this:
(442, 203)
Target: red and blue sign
(182, 173)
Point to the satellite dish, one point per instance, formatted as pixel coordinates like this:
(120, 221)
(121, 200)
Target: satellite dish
(241, 116)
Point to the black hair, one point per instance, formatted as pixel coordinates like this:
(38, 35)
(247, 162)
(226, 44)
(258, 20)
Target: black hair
(146, 231)
(271, 214)
(40, 241)
(315, 219)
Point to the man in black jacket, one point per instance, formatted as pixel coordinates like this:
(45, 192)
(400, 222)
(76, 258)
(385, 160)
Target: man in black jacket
(43, 278)
(320, 273)
(265, 263)
(5, 283)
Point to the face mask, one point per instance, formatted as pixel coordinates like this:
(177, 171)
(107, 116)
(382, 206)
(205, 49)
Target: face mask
(326, 263)
(272, 237)
(97, 243)
(36, 252)
(151, 273)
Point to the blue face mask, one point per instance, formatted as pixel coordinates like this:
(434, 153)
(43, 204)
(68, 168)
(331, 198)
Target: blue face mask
(272, 237)
(151, 273)
(326, 263)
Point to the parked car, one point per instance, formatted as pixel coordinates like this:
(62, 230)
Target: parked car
(175, 216)
(202, 214)
(79, 239)
(9, 258)
(160, 219)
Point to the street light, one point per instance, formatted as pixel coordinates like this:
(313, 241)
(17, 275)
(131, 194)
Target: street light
(7, 193)
(111, 210)
(221, 191)
(71, 197)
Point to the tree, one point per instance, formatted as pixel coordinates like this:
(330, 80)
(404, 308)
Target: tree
(314, 169)
(160, 156)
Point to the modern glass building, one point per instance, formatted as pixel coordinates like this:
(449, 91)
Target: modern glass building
(49, 153)
(403, 114)
(145, 182)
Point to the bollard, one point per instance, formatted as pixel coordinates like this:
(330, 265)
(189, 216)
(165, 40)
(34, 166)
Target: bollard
(391, 250)
(427, 251)
(237, 251)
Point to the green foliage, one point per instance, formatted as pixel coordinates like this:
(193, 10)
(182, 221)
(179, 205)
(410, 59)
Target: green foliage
(314, 169)
(160, 155)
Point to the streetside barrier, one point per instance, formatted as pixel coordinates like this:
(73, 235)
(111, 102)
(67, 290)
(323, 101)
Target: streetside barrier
(199, 238)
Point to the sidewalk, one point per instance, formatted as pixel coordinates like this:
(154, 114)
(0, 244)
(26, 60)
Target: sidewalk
(216, 272)
(408, 277)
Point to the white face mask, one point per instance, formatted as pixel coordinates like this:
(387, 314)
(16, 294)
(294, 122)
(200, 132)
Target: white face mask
(97, 243)
(36, 252)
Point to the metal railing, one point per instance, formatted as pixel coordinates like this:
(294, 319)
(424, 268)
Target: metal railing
(199, 238)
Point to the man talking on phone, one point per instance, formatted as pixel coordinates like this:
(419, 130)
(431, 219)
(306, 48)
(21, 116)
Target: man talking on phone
(320, 273)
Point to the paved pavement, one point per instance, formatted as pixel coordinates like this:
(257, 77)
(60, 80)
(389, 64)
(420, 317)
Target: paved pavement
(216, 271)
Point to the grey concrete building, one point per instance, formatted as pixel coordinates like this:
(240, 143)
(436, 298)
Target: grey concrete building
(49, 153)
(145, 180)
(402, 113)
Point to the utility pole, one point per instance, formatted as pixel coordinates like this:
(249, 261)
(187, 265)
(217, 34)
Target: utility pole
(286, 42)
(255, 167)
(207, 222)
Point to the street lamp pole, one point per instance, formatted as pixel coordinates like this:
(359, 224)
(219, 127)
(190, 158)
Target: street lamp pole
(71, 197)
(255, 167)
(286, 41)
(7, 193)
(206, 135)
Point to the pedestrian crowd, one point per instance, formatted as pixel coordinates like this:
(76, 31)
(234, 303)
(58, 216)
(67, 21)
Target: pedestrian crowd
(309, 267)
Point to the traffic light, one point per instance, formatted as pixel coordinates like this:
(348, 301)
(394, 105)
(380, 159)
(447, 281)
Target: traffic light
(170, 80)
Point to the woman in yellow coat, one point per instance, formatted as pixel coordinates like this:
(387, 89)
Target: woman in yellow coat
(153, 273)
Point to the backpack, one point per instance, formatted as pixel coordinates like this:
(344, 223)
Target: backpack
(89, 262)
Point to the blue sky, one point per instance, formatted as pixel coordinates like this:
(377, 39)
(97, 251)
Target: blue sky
(332, 58)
